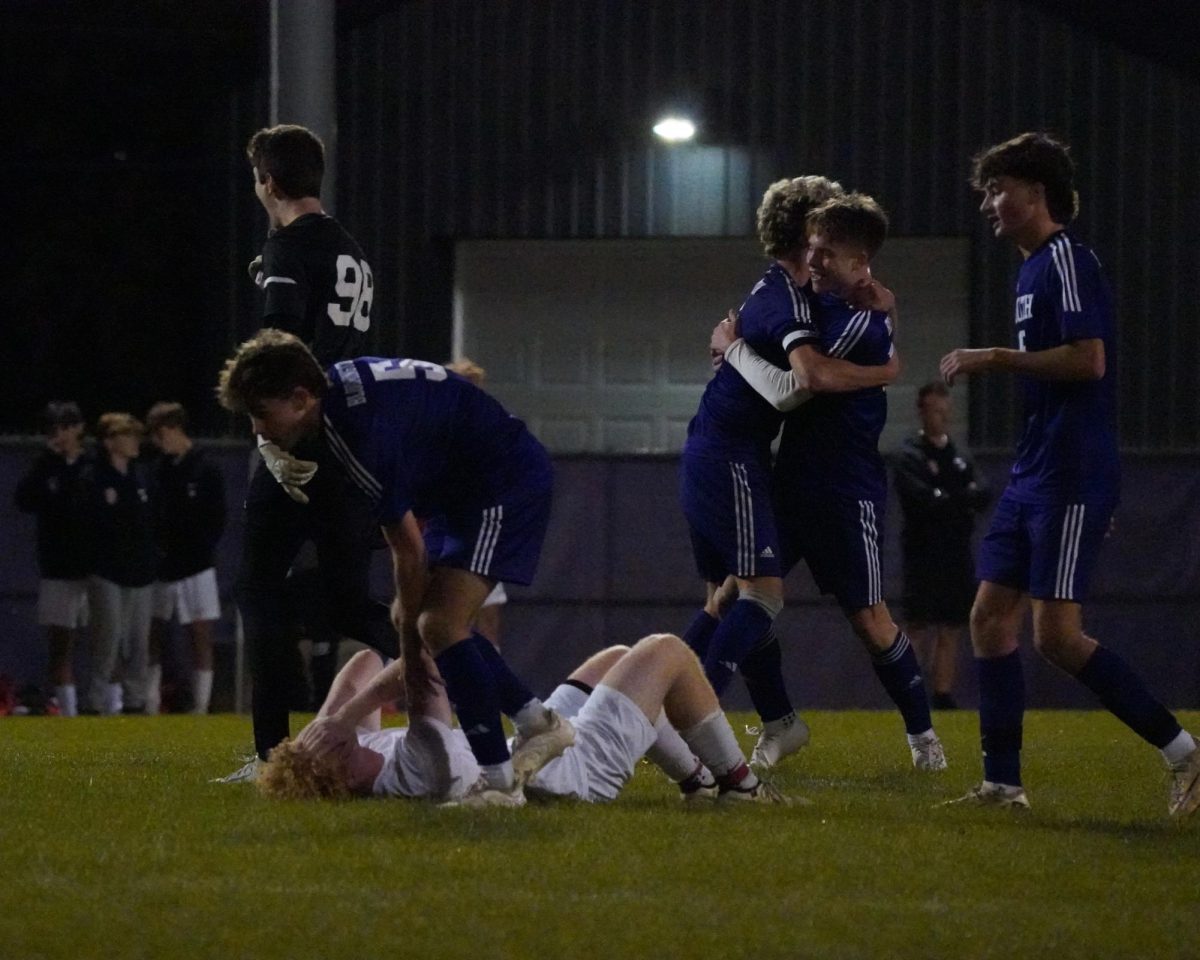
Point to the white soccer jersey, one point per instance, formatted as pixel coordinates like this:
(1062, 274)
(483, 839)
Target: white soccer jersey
(432, 761)
(425, 760)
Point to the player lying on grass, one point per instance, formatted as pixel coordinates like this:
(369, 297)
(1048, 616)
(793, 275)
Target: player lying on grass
(626, 703)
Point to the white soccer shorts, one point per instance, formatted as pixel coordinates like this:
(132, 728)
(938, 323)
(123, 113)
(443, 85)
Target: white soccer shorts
(193, 598)
(62, 603)
(611, 736)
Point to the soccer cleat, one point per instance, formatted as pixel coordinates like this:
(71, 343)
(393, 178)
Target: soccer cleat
(927, 752)
(247, 773)
(700, 787)
(988, 794)
(541, 742)
(778, 739)
(483, 794)
(762, 792)
(1185, 785)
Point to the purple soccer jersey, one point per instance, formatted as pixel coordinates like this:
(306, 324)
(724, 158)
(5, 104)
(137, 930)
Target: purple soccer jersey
(725, 472)
(1068, 449)
(1053, 517)
(733, 421)
(830, 481)
(415, 436)
(830, 444)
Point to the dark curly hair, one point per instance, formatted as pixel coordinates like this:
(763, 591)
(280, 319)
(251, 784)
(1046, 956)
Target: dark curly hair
(1036, 158)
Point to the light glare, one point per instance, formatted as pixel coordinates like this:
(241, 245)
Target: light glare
(675, 129)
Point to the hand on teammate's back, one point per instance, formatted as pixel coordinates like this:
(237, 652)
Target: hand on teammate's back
(723, 335)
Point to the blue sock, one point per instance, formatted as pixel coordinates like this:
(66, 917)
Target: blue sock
(472, 688)
(699, 632)
(762, 671)
(1001, 716)
(1121, 690)
(898, 671)
(742, 629)
(511, 692)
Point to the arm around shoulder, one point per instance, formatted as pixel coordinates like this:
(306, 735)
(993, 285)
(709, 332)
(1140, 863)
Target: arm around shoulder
(778, 387)
(821, 374)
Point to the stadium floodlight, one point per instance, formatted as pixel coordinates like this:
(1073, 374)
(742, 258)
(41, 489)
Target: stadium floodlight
(675, 129)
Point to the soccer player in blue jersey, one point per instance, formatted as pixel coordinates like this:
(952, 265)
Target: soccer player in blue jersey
(725, 481)
(830, 480)
(726, 466)
(421, 441)
(1044, 539)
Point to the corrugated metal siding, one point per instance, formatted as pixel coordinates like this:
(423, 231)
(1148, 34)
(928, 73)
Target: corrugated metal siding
(530, 118)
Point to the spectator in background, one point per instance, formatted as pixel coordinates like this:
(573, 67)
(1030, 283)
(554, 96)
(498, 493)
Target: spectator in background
(940, 498)
(55, 490)
(120, 592)
(190, 517)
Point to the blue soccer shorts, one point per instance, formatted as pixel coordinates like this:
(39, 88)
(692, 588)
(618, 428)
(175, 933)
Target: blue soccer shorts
(730, 516)
(1047, 550)
(497, 535)
(839, 539)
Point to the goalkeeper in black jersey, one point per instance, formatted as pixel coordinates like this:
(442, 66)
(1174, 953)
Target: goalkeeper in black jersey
(317, 285)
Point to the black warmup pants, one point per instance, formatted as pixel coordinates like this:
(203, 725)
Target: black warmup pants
(340, 521)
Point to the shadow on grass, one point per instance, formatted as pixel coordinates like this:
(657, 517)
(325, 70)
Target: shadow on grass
(1160, 832)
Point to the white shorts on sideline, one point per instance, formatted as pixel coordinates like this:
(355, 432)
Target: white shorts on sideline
(62, 603)
(193, 598)
(611, 736)
(497, 597)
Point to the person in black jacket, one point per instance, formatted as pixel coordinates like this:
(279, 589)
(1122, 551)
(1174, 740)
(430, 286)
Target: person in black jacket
(55, 489)
(190, 518)
(120, 591)
(940, 497)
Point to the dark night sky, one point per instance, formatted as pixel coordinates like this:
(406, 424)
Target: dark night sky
(118, 200)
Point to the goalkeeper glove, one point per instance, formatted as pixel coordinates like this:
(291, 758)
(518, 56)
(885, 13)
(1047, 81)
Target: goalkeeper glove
(291, 473)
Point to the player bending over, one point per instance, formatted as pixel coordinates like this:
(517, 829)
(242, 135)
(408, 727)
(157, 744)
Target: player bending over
(417, 440)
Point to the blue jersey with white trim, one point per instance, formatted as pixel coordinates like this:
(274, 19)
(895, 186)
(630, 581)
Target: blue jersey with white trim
(830, 444)
(415, 436)
(1068, 449)
(734, 422)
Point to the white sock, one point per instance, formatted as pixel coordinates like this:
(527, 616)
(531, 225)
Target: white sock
(68, 705)
(500, 776)
(531, 713)
(1179, 748)
(778, 726)
(114, 700)
(201, 690)
(670, 753)
(153, 689)
(714, 742)
(917, 738)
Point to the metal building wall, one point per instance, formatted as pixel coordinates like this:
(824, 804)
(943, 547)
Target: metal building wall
(530, 118)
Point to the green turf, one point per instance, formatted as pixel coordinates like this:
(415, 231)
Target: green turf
(113, 845)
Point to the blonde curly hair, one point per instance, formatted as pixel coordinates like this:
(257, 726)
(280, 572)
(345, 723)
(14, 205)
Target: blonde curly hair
(293, 773)
(784, 211)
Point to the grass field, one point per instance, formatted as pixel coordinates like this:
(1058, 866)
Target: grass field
(114, 845)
